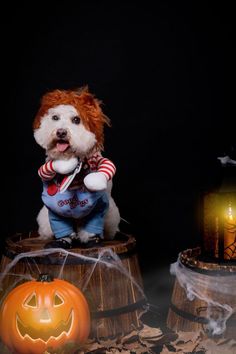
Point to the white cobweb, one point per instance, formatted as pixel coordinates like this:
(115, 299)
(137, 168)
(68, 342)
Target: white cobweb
(217, 291)
(105, 257)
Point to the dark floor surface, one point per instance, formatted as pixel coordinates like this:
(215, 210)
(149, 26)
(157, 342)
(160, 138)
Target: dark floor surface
(158, 286)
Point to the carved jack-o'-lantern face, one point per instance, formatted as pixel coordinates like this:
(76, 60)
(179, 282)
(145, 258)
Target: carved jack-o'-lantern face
(44, 314)
(42, 317)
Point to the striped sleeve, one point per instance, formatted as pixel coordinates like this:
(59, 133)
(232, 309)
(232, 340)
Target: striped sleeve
(46, 171)
(102, 164)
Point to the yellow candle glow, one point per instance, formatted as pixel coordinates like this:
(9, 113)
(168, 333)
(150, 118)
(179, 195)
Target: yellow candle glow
(230, 233)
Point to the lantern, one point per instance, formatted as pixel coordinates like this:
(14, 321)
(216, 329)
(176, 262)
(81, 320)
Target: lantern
(220, 218)
(43, 314)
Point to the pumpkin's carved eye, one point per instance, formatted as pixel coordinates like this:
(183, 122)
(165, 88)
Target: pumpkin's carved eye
(31, 301)
(58, 300)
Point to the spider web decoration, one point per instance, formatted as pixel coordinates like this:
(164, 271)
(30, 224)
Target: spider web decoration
(216, 291)
(230, 250)
(106, 257)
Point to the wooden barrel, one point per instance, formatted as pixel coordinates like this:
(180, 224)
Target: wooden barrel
(113, 287)
(191, 315)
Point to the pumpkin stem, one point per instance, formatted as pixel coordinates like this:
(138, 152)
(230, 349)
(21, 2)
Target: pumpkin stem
(45, 278)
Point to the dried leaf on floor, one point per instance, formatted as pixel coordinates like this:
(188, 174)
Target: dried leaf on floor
(115, 351)
(132, 336)
(187, 341)
(188, 336)
(219, 347)
(166, 350)
(150, 332)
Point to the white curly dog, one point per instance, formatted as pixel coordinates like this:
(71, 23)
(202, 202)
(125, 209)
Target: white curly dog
(77, 179)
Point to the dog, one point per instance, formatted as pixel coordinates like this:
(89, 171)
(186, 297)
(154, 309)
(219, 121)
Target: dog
(77, 179)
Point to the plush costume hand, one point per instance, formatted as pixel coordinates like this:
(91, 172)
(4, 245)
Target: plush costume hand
(95, 181)
(65, 166)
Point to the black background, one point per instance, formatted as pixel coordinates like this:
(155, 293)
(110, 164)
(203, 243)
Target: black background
(165, 72)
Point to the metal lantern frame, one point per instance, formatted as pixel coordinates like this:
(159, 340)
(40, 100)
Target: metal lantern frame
(220, 219)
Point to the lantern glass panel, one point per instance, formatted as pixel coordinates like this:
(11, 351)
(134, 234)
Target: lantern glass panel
(219, 226)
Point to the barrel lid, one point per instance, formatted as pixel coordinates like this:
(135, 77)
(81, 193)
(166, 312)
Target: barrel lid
(192, 259)
(123, 245)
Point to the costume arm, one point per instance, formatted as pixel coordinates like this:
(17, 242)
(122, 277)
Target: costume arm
(46, 171)
(102, 164)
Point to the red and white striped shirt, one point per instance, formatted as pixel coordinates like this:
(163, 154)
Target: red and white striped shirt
(101, 164)
(46, 171)
(96, 162)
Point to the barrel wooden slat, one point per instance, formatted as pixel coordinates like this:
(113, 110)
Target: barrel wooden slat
(115, 302)
(190, 316)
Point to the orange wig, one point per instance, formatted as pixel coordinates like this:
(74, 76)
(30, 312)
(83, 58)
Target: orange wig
(88, 107)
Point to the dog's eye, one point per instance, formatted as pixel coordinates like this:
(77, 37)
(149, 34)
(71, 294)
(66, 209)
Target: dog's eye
(75, 120)
(55, 117)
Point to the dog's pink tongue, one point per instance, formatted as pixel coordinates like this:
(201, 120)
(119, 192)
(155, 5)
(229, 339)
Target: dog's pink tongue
(61, 147)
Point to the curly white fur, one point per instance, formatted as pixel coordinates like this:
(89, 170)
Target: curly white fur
(44, 230)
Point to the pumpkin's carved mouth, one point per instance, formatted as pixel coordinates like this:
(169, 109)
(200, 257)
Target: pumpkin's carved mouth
(47, 333)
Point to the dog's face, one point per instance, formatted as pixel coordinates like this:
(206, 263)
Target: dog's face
(62, 133)
(69, 124)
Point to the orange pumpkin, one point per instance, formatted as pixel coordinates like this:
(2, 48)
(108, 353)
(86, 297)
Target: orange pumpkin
(43, 314)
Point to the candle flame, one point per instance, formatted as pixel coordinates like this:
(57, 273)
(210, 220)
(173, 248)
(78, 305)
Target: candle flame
(230, 212)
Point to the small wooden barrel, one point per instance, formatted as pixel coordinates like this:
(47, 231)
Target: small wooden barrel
(190, 316)
(115, 294)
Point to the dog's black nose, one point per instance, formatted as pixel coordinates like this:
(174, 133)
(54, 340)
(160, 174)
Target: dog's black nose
(61, 133)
